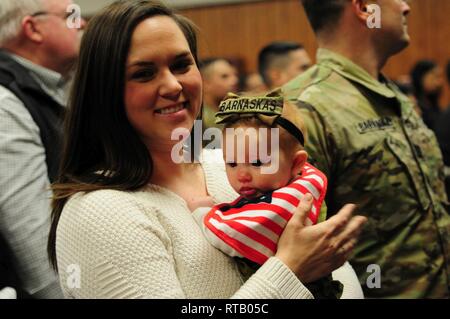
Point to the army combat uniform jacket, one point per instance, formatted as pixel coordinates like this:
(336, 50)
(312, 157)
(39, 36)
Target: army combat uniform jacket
(376, 152)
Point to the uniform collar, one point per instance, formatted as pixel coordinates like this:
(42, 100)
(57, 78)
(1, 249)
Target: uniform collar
(354, 72)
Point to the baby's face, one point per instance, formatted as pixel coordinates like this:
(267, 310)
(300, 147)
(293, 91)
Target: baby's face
(248, 173)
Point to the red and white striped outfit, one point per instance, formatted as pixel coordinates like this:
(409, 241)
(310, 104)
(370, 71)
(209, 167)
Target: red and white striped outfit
(252, 230)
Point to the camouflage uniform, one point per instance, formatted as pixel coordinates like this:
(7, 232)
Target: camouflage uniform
(376, 151)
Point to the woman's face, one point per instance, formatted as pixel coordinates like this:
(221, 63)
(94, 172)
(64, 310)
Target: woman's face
(163, 84)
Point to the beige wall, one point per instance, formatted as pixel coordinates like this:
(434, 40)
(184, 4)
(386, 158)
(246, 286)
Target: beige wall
(89, 7)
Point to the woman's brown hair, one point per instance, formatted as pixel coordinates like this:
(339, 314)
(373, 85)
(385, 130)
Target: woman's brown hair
(101, 149)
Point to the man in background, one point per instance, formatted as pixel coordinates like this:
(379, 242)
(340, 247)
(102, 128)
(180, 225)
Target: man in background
(219, 78)
(254, 84)
(38, 47)
(280, 62)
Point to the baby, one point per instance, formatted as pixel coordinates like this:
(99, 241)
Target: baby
(249, 227)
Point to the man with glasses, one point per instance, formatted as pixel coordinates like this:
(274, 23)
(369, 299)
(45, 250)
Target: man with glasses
(38, 47)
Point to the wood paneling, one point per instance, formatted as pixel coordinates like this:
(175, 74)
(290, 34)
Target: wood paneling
(239, 31)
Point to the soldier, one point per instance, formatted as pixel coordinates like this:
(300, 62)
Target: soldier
(375, 150)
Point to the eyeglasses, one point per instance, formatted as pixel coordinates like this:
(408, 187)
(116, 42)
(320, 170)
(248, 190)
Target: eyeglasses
(64, 16)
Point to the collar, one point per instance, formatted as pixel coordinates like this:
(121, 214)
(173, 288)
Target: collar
(354, 72)
(49, 78)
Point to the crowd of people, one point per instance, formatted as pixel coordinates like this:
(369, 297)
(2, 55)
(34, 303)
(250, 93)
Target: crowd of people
(88, 180)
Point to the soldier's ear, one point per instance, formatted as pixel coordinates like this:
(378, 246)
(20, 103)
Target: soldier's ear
(360, 8)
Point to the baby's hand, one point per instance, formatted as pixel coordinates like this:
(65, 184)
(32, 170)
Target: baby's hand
(195, 203)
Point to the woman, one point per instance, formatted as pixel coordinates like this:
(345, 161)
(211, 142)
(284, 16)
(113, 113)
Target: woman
(121, 205)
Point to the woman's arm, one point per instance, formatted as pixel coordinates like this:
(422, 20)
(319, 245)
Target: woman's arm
(120, 247)
(123, 251)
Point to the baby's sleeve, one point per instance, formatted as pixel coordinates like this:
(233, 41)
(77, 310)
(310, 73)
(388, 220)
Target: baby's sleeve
(199, 215)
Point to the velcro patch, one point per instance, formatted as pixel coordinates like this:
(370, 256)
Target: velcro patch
(384, 123)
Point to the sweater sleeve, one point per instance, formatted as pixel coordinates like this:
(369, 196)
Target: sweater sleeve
(274, 280)
(120, 247)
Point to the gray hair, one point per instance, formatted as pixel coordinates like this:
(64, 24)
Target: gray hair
(11, 14)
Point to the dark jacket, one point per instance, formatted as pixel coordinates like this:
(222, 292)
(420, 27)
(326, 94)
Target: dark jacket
(48, 115)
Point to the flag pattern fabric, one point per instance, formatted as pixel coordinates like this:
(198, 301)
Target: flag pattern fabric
(252, 230)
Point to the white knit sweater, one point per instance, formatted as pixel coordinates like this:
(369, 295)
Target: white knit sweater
(146, 244)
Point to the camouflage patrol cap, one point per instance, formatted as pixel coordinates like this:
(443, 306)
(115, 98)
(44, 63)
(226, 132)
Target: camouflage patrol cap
(267, 109)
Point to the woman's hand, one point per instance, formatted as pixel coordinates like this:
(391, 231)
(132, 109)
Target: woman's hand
(313, 252)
